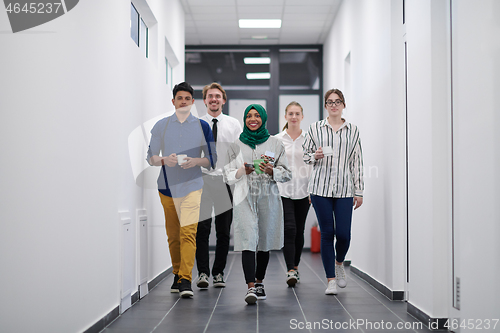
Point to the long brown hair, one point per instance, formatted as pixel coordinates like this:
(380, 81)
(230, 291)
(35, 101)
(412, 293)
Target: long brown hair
(286, 109)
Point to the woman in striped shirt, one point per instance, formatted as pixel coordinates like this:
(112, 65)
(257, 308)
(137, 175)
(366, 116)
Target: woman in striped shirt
(336, 184)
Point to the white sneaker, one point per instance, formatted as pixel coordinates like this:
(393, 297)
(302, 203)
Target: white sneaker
(251, 296)
(332, 288)
(202, 281)
(340, 275)
(219, 281)
(291, 278)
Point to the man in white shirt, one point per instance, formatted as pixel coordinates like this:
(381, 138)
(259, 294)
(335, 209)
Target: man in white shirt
(216, 194)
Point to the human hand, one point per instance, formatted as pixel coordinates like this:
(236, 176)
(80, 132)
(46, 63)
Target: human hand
(319, 154)
(189, 162)
(357, 202)
(171, 160)
(249, 168)
(266, 167)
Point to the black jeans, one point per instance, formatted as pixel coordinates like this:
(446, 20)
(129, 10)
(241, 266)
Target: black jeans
(250, 270)
(295, 214)
(216, 194)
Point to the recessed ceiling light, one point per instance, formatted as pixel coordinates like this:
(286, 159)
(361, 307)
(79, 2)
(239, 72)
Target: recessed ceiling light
(258, 76)
(256, 60)
(259, 37)
(261, 23)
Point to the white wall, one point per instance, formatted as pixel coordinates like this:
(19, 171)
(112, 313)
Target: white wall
(429, 152)
(71, 92)
(373, 33)
(476, 82)
(363, 29)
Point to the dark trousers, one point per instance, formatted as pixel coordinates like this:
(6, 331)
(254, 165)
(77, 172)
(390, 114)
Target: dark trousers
(217, 195)
(251, 270)
(334, 218)
(295, 214)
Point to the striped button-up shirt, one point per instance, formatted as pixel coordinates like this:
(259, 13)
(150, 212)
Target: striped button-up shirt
(341, 174)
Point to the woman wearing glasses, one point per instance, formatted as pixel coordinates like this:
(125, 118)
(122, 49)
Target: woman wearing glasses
(333, 147)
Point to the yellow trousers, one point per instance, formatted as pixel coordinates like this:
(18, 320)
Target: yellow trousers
(181, 223)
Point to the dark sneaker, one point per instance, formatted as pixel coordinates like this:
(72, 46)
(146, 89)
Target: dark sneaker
(175, 285)
(219, 281)
(185, 288)
(298, 276)
(259, 290)
(251, 296)
(202, 281)
(291, 278)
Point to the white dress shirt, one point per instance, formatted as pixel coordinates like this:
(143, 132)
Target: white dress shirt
(296, 188)
(228, 130)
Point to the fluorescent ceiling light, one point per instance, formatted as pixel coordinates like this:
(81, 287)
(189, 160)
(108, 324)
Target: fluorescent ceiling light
(260, 23)
(256, 60)
(258, 76)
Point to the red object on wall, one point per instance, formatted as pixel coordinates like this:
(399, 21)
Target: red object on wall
(315, 240)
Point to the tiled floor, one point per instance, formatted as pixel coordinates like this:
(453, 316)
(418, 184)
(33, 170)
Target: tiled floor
(357, 308)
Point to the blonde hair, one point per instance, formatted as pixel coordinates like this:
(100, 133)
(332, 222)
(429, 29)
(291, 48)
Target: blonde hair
(214, 85)
(293, 103)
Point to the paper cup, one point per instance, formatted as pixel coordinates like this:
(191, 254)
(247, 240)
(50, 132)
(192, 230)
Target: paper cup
(327, 151)
(256, 165)
(181, 158)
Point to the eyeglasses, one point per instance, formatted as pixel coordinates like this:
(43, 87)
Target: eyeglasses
(336, 102)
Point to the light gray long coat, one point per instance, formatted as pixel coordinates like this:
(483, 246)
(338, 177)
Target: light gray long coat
(258, 211)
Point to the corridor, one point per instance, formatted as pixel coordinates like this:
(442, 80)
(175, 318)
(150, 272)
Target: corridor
(357, 308)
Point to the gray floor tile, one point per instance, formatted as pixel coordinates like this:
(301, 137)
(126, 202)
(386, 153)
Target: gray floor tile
(304, 308)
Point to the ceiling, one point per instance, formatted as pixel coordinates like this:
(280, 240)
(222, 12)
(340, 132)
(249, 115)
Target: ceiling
(215, 22)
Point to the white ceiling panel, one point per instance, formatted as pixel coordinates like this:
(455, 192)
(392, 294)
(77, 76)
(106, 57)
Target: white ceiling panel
(213, 23)
(211, 2)
(258, 10)
(303, 21)
(214, 33)
(307, 9)
(312, 18)
(213, 10)
(249, 36)
(313, 2)
(249, 15)
(212, 17)
(302, 24)
(301, 30)
(260, 3)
